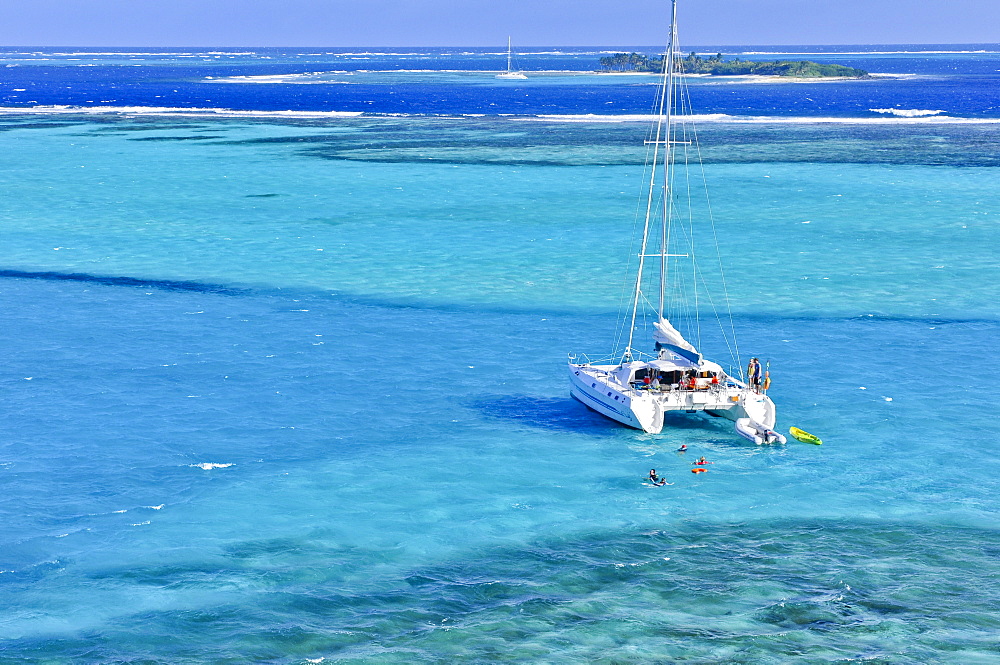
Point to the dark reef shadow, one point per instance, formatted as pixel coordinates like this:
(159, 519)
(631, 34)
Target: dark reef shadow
(160, 284)
(552, 413)
(207, 137)
(570, 415)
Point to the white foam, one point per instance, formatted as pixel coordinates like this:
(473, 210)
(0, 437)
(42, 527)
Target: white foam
(146, 54)
(208, 466)
(159, 507)
(768, 120)
(907, 113)
(171, 111)
(299, 79)
(706, 118)
(370, 53)
(836, 53)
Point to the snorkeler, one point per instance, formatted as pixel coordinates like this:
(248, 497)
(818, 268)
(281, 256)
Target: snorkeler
(702, 461)
(657, 480)
(683, 448)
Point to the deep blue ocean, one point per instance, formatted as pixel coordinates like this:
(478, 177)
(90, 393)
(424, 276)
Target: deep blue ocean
(284, 345)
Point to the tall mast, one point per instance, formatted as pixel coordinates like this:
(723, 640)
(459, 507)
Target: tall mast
(667, 107)
(662, 137)
(508, 54)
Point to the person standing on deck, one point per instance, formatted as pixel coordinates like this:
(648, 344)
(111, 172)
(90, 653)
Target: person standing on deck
(753, 374)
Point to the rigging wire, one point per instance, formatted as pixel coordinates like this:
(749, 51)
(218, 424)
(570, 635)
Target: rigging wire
(730, 337)
(628, 280)
(681, 303)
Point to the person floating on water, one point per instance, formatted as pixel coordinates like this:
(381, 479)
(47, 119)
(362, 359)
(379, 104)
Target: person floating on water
(702, 461)
(683, 448)
(655, 479)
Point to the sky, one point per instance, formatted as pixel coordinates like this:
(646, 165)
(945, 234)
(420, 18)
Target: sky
(488, 22)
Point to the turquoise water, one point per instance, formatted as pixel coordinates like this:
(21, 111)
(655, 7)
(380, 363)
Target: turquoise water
(287, 389)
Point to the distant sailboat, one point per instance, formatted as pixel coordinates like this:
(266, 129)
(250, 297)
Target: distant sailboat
(636, 387)
(510, 73)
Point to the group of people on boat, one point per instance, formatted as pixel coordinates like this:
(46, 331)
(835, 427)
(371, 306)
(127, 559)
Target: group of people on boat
(691, 380)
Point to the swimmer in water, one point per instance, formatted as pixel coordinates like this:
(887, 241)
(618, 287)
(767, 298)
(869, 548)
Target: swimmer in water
(683, 448)
(657, 480)
(702, 461)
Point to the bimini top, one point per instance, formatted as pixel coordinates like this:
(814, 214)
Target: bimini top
(672, 365)
(683, 364)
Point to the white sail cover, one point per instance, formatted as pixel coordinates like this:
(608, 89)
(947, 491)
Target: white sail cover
(666, 334)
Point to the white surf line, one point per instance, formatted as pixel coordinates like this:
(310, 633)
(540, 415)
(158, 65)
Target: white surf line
(172, 111)
(708, 118)
(768, 120)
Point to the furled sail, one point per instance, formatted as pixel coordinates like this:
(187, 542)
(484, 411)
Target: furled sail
(667, 337)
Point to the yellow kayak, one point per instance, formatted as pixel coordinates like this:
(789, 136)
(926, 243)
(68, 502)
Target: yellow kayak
(805, 437)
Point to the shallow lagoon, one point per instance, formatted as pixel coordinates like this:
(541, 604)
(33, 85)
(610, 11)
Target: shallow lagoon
(225, 445)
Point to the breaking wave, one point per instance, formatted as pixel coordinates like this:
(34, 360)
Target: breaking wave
(917, 116)
(173, 111)
(907, 113)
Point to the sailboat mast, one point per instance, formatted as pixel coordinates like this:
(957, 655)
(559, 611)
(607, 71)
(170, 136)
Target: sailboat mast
(666, 111)
(662, 138)
(508, 54)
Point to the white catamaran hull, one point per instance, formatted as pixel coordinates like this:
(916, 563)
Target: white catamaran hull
(597, 387)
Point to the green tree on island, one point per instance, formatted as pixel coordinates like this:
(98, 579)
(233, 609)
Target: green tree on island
(695, 64)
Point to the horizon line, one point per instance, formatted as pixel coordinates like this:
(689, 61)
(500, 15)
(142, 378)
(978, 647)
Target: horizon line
(352, 46)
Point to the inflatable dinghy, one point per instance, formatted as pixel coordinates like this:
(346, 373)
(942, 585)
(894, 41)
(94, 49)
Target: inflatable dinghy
(754, 431)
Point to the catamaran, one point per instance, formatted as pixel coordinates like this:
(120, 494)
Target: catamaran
(669, 290)
(510, 73)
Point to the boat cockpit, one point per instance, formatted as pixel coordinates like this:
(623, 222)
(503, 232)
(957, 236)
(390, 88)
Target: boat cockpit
(668, 376)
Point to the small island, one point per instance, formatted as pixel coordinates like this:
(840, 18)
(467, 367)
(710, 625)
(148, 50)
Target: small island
(695, 64)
